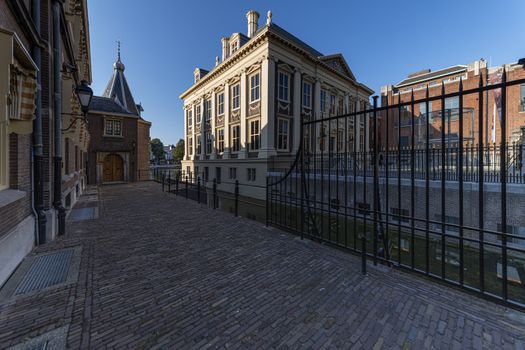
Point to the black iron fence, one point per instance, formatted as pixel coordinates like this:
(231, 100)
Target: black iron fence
(230, 195)
(453, 211)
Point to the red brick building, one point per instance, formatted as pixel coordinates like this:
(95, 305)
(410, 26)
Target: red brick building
(119, 147)
(400, 131)
(43, 138)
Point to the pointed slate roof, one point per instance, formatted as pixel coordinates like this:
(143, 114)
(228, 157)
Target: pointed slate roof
(118, 89)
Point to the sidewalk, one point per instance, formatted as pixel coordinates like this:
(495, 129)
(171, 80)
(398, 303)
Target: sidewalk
(159, 271)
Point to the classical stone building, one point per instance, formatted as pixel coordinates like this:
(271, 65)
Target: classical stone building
(43, 137)
(120, 142)
(243, 117)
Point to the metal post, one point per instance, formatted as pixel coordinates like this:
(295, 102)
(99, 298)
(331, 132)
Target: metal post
(198, 190)
(169, 180)
(214, 193)
(177, 183)
(363, 254)
(376, 181)
(237, 198)
(267, 189)
(163, 181)
(186, 186)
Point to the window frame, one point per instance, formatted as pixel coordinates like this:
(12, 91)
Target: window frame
(255, 89)
(236, 97)
(220, 103)
(235, 138)
(189, 117)
(207, 109)
(251, 174)
(280, 85)
(209, 142)
(232, 173)
(283, 136)
(220, 140)
(190, 145)
(255, 136)
(521, 106)
(198, 115)
(309, 105)
(113, 122)
(323, 100)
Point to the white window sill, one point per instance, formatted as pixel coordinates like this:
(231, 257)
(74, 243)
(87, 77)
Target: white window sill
(9, 196)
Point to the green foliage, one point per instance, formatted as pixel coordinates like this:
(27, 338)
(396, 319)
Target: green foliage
(157, 148)
(178, 151)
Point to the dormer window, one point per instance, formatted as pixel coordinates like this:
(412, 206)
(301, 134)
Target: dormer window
(234, 47)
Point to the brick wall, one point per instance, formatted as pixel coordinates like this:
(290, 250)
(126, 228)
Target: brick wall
(143, 146)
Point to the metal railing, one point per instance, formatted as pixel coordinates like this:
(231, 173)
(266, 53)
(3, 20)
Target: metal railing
(433, 207)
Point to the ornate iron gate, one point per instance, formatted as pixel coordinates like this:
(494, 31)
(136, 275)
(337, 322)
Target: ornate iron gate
(415, 190)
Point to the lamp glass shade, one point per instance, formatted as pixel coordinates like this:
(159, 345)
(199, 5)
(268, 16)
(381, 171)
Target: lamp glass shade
(85, 94)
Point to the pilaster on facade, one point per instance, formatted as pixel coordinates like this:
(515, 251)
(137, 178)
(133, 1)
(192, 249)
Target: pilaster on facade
(243, 153)
(227, 151)
(317, 113)
(213, 131)
(296, 110)
(193, 140)
(267, 108)
(202, 154)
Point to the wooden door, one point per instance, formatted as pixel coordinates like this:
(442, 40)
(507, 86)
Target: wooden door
(113, 168)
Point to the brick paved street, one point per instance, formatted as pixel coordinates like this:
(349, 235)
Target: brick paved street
(159, 271)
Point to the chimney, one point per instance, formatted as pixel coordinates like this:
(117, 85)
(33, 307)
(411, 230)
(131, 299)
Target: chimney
(225, 47)
(253, 22)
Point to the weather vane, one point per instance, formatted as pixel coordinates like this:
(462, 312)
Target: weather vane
(118, 49)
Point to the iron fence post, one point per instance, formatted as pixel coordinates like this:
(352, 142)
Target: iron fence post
(186, 186)
(163, 182)
(177, 183)
(363, 254)
(214, 193)
(266, 202)
(236, 197)
(169, 181)
(376, 181)
(198, 190)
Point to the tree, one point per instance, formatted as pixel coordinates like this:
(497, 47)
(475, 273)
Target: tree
(178, 151)
(157, 148)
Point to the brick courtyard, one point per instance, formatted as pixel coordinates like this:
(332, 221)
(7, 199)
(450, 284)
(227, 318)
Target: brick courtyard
(159, 271)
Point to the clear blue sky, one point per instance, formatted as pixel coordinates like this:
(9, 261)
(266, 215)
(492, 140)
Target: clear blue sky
(164, 40)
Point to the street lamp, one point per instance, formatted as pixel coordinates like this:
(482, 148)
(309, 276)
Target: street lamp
(84, 94)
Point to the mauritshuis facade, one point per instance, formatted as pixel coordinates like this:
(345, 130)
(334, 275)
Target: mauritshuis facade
(243, 117)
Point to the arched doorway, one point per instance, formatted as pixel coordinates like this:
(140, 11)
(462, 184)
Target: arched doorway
(113, 168)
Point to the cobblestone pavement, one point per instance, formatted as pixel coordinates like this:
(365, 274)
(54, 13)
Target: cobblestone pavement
(158, 271)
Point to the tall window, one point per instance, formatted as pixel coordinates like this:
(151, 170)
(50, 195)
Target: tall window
(323, 101)
(282, 134)
(307, 95)
(423, 110)
(284, 83)
(199, 144)
(189, 115)
(452, 102)
(209, 142)
(190, 146)
(340, 140)
(251, 174)
(522, 98)
(254, 135)
(236, 95)
(220, 140)
(254, 87)
(332, 104)
(113, 127)
(207, 109)
(198, 113)
(233, 173)
(220, 103)
(236, 138)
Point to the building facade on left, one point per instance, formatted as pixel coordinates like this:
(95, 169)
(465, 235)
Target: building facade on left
(44, 55)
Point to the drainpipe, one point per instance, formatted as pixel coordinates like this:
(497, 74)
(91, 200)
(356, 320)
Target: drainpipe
(57, 87)
(38, 156)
